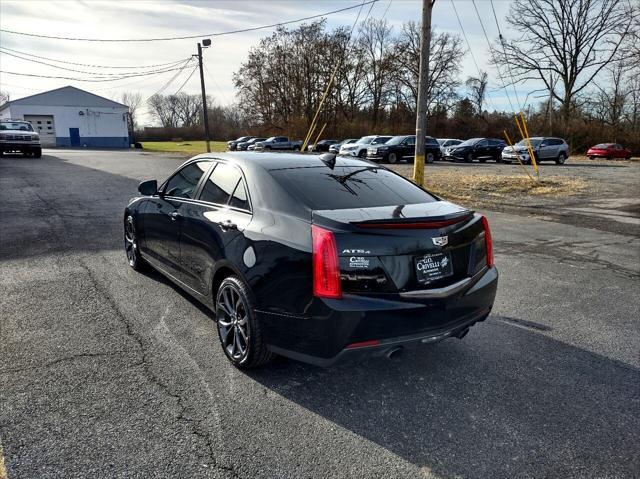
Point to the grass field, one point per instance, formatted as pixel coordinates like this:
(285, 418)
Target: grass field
(185, 147)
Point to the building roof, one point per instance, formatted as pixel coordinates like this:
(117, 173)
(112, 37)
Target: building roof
(65, 96)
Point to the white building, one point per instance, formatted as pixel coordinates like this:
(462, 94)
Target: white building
(69, 116)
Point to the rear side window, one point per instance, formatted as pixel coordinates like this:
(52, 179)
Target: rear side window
(183, 184)
(432, 142)
(224, 186)
(321, 188)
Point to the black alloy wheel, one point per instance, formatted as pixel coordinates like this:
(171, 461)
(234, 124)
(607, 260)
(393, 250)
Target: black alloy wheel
(561, 158)
(392, 158)
(362, 154)
(131, 245)
(238, 327)
(468, 157)
(430, 158)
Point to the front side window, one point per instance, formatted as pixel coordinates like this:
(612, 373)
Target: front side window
(222, 187)
(184, 183)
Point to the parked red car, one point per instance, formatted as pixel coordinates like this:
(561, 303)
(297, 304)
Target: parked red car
(608, 150)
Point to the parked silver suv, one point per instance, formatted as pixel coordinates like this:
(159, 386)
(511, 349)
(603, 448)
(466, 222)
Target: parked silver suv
(544, 148)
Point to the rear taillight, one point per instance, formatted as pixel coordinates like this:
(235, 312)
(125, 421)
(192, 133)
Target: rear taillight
(326, 268)
(487, 242)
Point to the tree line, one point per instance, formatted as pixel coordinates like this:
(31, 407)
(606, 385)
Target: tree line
(584, 53)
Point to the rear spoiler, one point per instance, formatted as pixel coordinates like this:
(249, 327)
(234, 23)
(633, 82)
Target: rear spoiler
(437, 214)
(415, 223)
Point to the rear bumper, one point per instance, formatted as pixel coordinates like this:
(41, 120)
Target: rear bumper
(357, 326)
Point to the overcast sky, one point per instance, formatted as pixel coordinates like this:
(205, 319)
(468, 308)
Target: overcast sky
(152, 19)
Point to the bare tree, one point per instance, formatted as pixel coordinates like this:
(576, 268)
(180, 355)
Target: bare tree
(164, 110)
(445, 60)
(133, 100)
(477, 87)
(188, 108)
(573, 39)
(375, 42)
(4, 97)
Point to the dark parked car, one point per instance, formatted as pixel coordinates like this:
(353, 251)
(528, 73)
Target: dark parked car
(232, 145)
(403, 147)
(322, 145)
(244, 145)
(609, 150)
(481, 149)
(312, 257)
(335, 148)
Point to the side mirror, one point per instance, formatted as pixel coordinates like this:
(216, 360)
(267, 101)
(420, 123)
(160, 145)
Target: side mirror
(148, 188)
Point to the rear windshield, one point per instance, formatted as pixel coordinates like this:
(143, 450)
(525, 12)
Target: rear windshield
(321, 188)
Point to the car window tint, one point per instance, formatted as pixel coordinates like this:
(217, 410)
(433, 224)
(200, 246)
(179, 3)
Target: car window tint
(482, 143)
(239, 196)
(220, 184)
(322, 188)
(183, 184)
(432, 142)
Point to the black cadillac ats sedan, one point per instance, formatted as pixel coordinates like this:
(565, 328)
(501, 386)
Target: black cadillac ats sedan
(316, 258)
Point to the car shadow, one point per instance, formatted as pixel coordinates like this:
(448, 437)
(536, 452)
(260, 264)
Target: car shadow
(505, 402)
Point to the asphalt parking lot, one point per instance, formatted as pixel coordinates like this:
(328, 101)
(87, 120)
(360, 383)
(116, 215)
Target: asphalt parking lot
(109, 373)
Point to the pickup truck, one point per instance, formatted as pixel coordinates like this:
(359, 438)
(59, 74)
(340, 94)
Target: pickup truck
(278, 143)
(19, 136)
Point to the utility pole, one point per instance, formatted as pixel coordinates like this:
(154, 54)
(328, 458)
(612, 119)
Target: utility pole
(421, 107)
(205, 118)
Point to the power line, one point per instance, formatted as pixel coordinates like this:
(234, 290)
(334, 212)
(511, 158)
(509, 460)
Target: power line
(97, 74)
(88, 79)
(185, 82)
(215, 83)
(94, 66)
(172, 79)
(464, 34)
(230, 32)
(492, 55)
(513, 83)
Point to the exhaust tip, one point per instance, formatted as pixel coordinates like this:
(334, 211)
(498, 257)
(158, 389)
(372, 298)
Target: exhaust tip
(395, 353)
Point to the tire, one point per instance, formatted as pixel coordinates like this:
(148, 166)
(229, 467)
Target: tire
(362, 154)
(237, 324)
(296, 148)
(561, 158)
(37, 153)
(469, 158)
(429, 158)
(131, 246)
(392, 158)
(591, 157)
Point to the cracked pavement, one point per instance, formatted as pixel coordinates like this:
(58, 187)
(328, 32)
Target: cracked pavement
(109, 373)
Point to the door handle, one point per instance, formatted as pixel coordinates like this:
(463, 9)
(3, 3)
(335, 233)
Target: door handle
(228, 225)
(174, 215)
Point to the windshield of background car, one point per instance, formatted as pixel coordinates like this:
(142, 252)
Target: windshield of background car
(380, 140)
(366, 140)
(602, 146)
(470, 142)
(15, 125)
(534, 142)
(396, 140)
(321, 188)
(271, 138)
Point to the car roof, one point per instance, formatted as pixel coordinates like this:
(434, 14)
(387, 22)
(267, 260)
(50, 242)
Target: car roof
(278, 160)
